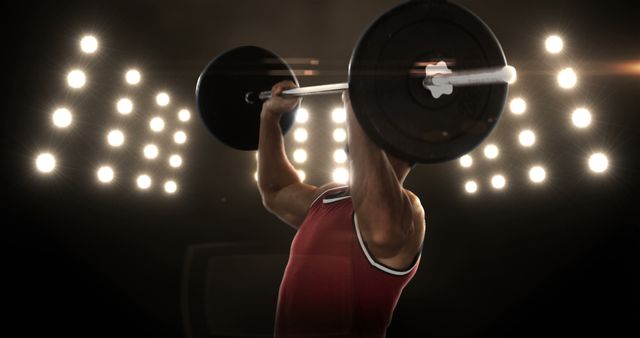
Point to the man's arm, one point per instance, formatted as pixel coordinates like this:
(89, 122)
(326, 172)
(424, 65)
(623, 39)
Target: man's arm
(390, 218)
(283, 194)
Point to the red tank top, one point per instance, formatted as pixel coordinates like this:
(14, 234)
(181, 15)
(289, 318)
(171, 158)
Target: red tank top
(332, 285)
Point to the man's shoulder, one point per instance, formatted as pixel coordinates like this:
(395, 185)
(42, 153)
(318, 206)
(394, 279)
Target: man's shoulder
(415, 200)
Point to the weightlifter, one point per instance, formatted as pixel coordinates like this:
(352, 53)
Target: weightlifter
(356, 246)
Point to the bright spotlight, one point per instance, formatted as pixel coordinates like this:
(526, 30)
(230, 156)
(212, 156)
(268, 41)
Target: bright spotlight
(466, 161)
(527, 138)
(302, 175)
(162, 99)
(498, 182)
(175, 161)
(156, 124)
(124, 106)
(184, 115)
(76, 79)
(518, 106)
(115, 138)
(105, 174)
(170, 187)
(471, 187)
(340, 156)
(581, 118)
(301, 135)
(151, 151)
(340, 135)
(537, 174)
(62, 118)
(45, 163)
(132, 76)
(339, 115)
(302, 116)
(491, 151)
(180, 137)
(598, 163)
(89, 44)
(554, 44)
(567, 78)
(144, 182)
(341, 175)
(300, 156)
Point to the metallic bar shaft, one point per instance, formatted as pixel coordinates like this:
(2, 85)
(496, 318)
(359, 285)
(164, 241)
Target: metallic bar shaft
(472, 77)
(306, 91)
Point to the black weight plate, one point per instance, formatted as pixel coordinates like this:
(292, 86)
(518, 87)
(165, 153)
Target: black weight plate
(385, 81)
(221, 91)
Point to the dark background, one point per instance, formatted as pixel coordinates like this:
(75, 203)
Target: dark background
(84, 260)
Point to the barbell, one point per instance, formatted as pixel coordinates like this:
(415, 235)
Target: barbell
(428, 81)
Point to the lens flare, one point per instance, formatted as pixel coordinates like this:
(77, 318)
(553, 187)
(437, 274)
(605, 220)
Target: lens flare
(144, 182)
(498, 182)
(301, 135)
(341, 175)
(76, 79)
(598, 163)
(300, 156)
(581, 118)
(124, 106)
(527, 138)
(89, 44)
(105, 174)
(518, 106)
(466, 161)
(132, 76)
(537, 174)
(115, 138)
(45, 163)
(62, 118)
(340, 135)
(491, 151)
(554, 44)
(567, 78)
(339, 115)
(163, 99)
(471, 187)
(302, 115)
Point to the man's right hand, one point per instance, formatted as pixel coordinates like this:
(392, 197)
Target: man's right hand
(277, 105)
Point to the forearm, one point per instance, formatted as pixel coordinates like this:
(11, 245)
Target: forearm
(274, 169)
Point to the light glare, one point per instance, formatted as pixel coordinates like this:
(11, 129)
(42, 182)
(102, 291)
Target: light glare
(339, 135)
(45, 163)
(162, 99)
(170, 187)
(567, 78)
(144, 182)
(301, 175)
(339, 115)
(554, 44)
(340, 156)
(302, 116)
(151, 151)
(175, 161)
(115, 138)
(518, 106)
(76, 79)
(300, 155)
(184, 115)
(598, 163)
(491, 151)
(62, 118)
(537, 174)
(471, 187)
(156, 124)
(498, 182)
(133, 77)
(466, 161)
(581, 118)
(301, 135)
(89, 44)
(180, 137)
(341, 175)
(527, 138)
(124, 106)
(105, 174)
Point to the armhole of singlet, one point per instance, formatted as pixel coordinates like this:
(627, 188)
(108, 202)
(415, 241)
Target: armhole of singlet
(377, 264)
(325, 193)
